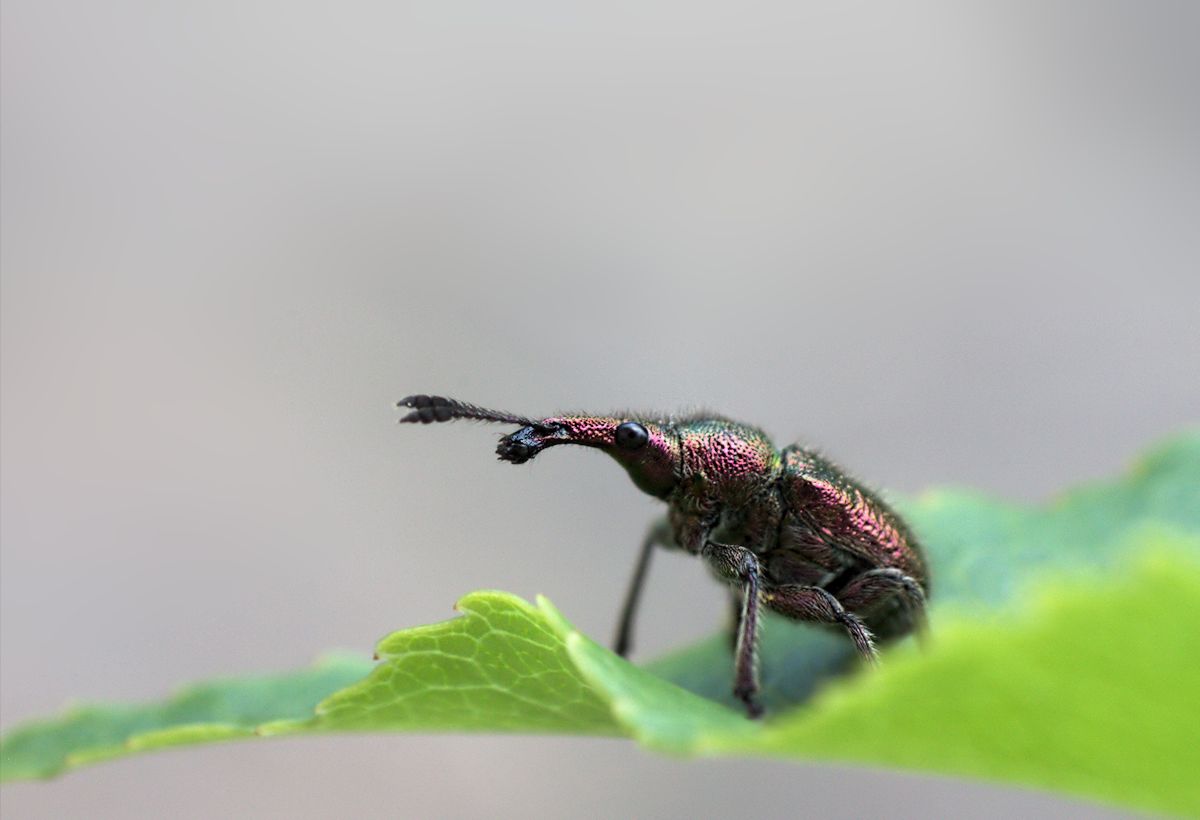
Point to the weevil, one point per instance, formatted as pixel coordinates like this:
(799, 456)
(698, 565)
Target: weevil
(786, 529)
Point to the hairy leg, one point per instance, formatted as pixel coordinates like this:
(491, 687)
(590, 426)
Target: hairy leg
(740, 566)
(736, 604)
(874, 586)
(808, 603)
(659, 534)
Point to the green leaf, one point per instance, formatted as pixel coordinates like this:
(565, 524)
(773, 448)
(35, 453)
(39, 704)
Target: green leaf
(217, 710)
(1093, 689)
(501, 667)
(1065, 639)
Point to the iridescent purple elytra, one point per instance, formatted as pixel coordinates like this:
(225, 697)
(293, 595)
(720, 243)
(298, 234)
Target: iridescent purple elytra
(787, 529)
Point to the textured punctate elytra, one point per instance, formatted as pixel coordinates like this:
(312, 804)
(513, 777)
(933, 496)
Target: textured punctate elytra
(787, 529)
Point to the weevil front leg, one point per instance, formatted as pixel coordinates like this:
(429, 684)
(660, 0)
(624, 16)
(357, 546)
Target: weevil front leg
(659, 535)
(736, 605)
(807, 603)
(740, 565)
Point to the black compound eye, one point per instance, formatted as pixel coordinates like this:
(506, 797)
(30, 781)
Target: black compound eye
(631, 435)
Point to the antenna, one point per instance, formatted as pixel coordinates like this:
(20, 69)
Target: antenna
(428, 409)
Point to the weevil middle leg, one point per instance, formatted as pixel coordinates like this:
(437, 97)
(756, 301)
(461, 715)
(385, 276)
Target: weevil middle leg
(815, 604)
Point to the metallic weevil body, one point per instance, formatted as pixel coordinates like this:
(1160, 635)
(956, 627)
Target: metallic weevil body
(787, 529)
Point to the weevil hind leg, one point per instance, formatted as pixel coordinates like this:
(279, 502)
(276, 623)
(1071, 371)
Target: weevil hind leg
(739, 565)
(876, 586)
(659, 534)
(814, 604)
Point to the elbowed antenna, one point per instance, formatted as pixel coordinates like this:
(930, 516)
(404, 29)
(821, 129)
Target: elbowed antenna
(428, 409)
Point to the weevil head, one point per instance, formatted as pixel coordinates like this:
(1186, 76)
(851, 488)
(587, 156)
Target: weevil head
(648, 450)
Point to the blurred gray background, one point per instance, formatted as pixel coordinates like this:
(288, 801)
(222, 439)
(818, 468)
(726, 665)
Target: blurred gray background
(948, 242)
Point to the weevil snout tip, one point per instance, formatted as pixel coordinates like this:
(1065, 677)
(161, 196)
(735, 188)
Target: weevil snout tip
(514, 452)
(521, 446)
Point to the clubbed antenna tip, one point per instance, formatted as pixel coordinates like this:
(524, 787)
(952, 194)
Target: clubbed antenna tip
(428, 409)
